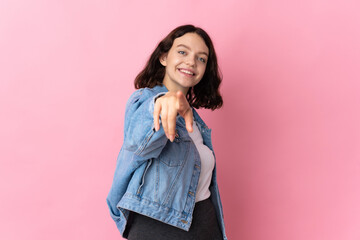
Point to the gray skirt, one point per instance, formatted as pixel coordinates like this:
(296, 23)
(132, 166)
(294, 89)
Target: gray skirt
(204, 226)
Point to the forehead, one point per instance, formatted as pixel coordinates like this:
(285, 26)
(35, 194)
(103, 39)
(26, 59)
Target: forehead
(193, 41)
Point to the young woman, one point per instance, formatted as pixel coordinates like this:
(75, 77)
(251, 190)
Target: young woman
(165, 184)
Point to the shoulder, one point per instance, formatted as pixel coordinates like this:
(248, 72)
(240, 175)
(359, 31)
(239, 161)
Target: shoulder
(143, 94)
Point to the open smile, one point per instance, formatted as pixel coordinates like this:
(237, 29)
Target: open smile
(186, 72)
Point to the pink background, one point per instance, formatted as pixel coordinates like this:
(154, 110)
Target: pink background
(287, 140)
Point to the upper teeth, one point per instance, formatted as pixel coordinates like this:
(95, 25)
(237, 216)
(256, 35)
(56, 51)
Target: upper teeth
(186, 71)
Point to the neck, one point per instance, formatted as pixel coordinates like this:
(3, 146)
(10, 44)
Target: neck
(174, 87)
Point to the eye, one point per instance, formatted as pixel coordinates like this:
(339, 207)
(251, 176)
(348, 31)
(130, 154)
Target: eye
(181, 52)
(202, 60)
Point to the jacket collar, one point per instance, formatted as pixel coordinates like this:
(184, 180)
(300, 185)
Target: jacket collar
(159, 89)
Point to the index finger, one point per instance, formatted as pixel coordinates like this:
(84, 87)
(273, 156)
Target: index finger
(182, 101)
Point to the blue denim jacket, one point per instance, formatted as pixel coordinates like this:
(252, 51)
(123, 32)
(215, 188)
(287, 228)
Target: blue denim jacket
(156, 177)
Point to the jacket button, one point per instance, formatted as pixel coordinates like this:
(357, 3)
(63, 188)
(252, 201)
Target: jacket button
(191, 193)
(176, 134)
(183, 221)
(197, 166)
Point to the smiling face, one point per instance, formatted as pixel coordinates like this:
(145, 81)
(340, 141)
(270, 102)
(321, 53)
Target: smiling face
(185, 62)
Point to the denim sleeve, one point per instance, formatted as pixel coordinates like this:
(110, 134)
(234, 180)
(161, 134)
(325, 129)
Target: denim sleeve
(140, 136)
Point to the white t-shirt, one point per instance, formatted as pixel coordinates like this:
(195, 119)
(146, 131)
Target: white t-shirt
(207, 164)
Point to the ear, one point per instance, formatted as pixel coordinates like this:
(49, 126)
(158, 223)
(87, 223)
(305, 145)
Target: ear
(163, 59)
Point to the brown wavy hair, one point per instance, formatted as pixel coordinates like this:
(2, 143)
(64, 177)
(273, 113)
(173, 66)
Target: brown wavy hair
(206, 93)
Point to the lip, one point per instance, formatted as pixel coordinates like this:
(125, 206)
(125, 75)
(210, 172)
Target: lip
(189, 70)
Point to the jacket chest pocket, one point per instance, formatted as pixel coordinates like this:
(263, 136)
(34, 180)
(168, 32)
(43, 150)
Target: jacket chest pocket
(175, 153)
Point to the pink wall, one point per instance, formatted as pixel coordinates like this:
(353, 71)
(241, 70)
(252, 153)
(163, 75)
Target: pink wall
(287, 140)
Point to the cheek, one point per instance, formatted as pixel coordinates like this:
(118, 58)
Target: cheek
(201, 77)
(203, 69)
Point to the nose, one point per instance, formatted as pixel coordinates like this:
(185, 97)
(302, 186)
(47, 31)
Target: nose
(190, 61)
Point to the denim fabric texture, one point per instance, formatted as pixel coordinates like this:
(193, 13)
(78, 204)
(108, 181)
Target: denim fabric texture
(153, 176)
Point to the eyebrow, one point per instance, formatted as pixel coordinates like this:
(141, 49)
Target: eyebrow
(182, 45)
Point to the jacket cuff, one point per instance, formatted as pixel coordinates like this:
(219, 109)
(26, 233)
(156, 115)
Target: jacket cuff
(152, 104)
